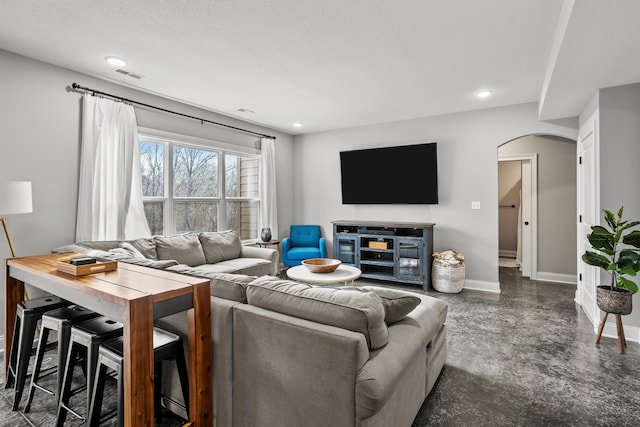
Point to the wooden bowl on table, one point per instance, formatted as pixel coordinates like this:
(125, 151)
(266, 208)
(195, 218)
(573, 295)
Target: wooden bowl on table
(321, 265)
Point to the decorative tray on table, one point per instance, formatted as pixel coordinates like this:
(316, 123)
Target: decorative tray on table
(82, 266)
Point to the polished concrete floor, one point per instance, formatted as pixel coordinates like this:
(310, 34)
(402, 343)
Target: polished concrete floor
(527, 357)
(524, 357)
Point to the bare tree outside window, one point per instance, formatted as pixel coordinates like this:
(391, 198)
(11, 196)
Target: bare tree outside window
(195, 174)
(197, 201)
(152, 169)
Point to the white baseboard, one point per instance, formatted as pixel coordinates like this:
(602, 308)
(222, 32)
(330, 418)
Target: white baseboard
(504, 253)
(557, 277)
(479, 285)
(631, 333)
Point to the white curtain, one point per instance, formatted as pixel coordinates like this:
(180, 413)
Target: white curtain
(268, 200)
(110, 192)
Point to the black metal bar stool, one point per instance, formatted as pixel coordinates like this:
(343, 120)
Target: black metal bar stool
(166, 346)
(87, 336)
(28, 314)
(60, 320)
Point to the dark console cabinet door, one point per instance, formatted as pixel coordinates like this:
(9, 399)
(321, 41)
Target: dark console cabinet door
(391, 251)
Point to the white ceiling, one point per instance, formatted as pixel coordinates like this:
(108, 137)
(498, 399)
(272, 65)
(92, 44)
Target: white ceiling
(340, 63)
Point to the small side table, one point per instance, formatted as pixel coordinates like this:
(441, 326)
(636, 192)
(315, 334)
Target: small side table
(275, 243)
(269, 243)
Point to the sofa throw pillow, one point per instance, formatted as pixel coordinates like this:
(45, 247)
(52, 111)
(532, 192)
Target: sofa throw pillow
(353, 309)
(131, 249)
(220, 245)
(184, 248)
(146, 246)
(396, 304)
(231, 286)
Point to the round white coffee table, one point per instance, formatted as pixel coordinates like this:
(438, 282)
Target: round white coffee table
(344, 273)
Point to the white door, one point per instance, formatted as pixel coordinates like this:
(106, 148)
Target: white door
(525, 218)
(529, 213)
(588, 210)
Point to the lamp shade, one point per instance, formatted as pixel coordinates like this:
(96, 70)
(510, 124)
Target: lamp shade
(15, 197)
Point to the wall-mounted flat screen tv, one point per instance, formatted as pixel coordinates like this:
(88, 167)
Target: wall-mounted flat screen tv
(406, 174)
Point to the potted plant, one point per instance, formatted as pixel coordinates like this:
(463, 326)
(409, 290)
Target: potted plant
(617, 252)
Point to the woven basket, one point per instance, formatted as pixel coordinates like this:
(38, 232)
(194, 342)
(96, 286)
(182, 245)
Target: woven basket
(614, 301)
(447, 279)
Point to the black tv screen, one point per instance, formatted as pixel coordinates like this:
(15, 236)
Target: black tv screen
(405, 174)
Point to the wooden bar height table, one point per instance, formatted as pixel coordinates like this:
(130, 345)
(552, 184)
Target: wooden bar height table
(135, 296)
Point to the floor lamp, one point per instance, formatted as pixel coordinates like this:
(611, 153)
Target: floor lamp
(15, 198)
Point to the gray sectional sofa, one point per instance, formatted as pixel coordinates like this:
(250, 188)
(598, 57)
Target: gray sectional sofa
(292, 354)
(287, 354)
(196, 254)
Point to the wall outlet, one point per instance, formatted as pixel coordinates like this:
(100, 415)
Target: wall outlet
(475, 205)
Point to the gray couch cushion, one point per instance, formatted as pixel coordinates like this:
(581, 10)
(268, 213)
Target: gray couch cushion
(132, 250)
(101, 245)
(352, 309)
(205, 270)
(231, 286)
(249, 266)
(117, 254)
(160, 264)
(397, 304)
(184, 248)
(220, 245)
(146, 246)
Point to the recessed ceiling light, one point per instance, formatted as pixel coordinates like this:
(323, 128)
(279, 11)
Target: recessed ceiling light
(484, 93)
(116, 62)
(297, 125)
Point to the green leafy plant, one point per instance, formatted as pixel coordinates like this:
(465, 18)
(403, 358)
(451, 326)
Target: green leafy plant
(617, 249)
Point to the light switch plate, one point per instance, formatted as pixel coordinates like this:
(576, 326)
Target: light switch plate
(475, 205)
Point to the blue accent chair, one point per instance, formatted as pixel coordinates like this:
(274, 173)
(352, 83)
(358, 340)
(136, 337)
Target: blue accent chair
(304, 242)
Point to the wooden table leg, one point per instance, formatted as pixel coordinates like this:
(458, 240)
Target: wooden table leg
(200, 358)
(13, 291)
(138, 363)
(601, 328)
(622, 343)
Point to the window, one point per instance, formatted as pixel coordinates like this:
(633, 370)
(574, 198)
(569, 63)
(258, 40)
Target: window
(190, 185)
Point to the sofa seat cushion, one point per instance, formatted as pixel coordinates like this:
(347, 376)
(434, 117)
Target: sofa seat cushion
(184, 248)
(205, 270)
(352, 308)
(160, 264)
(303, 253)
(220, 245)
(250, 266)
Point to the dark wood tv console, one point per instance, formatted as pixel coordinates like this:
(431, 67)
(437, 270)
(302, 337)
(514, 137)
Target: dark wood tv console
(393, 251)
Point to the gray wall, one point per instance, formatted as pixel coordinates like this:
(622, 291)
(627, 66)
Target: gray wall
(40, 142)
(556, 202)
(619, 156)
(467, 171)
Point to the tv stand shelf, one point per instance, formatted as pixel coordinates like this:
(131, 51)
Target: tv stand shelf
(393, 251)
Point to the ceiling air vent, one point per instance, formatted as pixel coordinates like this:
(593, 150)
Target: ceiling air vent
(128, 73)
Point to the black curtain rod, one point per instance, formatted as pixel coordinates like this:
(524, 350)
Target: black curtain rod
(76, 86)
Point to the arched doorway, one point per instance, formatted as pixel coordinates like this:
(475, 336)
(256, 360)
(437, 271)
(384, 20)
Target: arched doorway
(545, 209)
